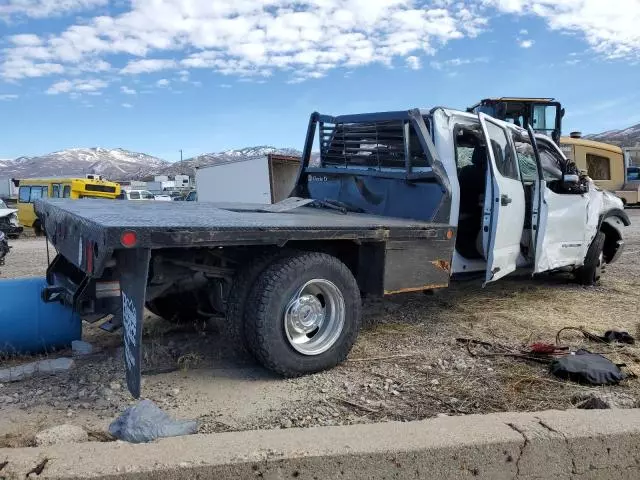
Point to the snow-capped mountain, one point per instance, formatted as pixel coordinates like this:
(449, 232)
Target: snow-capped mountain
(120, 164)
(189, 165)
(628, 137)
(115, 164)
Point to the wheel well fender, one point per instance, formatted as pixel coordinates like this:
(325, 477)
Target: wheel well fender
(612, 226)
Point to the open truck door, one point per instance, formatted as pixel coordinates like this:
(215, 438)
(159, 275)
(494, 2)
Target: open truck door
(559, 220)
(504, 204)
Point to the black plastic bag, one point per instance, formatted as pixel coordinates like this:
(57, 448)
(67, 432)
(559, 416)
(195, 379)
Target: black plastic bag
(587, 367)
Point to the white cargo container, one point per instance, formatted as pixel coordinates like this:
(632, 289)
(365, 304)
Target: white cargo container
(8, 190)
(267, 179)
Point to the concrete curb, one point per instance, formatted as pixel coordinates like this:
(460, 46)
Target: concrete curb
(578, 444)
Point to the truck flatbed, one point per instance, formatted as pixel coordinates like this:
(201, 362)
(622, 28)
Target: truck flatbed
(72, 226)
(162, 224)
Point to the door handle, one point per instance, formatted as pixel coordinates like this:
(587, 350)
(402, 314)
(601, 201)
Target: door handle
(505, 200)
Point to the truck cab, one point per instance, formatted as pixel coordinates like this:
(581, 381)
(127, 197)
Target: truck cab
(516, 200)
(521, 204)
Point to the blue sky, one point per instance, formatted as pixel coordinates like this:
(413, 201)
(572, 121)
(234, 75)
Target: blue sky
(157, 76)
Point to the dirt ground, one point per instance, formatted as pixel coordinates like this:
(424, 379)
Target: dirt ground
(406, 365)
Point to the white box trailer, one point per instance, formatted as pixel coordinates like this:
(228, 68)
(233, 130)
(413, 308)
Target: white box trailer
(8, 189)
(264, 180)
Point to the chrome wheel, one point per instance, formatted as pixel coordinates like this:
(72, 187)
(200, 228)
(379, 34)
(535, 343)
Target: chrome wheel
(314, 317)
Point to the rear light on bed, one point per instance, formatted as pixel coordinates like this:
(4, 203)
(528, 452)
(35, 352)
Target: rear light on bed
(129, 239)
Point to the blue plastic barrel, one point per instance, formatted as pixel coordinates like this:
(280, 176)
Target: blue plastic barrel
(28, 325)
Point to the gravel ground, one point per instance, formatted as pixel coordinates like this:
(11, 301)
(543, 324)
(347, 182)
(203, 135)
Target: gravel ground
(406, 365)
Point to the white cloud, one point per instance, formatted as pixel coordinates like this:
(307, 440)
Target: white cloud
(253, 38)
(45, 8)
(456, 62)
(611, 29)
(524, 32)
(7, 96)
(249, 38)
(127, 105)
(77, 86)
(163, 82)
(526, 43)
(127, 90)
(147, 66)
(413, 62)
(224, 85)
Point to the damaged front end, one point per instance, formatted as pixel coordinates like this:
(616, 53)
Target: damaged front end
(9, 223)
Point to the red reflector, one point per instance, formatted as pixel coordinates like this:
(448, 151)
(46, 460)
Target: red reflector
(129, 239)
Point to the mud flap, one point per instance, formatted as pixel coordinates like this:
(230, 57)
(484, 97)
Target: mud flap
(133, 265)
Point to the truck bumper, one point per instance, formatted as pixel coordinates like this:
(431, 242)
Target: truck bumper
(12, 231)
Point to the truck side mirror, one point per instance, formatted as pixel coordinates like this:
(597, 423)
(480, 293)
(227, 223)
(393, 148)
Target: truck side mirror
(570, 179)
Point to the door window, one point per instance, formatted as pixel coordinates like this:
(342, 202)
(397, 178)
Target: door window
(134, 195)
(55, 190)
(66, 192)
(598, 167)
(551, 161)
(526, 157)
(502, 151)
(24, 194)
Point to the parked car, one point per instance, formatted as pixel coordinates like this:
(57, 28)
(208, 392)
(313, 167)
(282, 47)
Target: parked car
(137, 195)
(397, 202)
(162, 198)
(9, 223)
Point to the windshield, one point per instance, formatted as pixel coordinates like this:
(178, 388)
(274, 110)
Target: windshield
(633, 174)
(2, 204)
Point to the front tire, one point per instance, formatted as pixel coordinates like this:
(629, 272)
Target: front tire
(304, 314)
(591, 271)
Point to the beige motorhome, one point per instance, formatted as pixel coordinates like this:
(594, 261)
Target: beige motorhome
(605, 165)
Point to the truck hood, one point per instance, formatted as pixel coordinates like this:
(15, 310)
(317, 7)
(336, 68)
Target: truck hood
(5, 212)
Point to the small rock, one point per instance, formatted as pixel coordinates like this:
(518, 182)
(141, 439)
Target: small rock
(175, 391)
(442, 415)
(115, 386)
(69, 413)
(388, 380)
(106, 392)
(435, 381)
(81, 348)
(324, 390)
(395, 392)
(598, 401)
(61, 434)
(286, 423)
(489, 369)
(460, 364)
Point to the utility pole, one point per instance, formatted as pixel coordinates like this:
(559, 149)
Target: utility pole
(180, 154)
